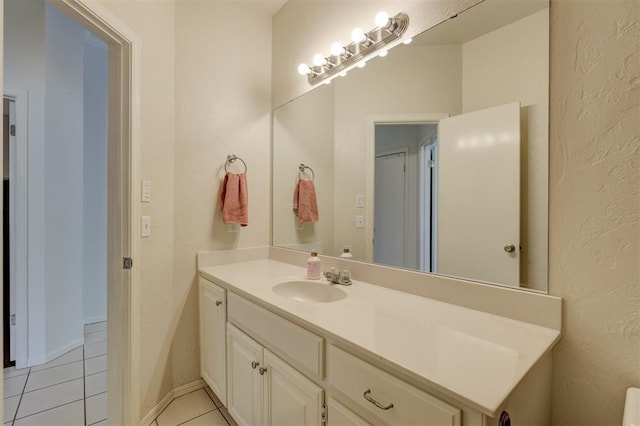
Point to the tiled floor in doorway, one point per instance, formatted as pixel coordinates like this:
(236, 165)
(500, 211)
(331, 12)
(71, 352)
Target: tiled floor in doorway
(70, 390)
(197, 408)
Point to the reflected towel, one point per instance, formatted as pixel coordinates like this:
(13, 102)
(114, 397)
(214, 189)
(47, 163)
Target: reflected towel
(235, 199)
(304, 201)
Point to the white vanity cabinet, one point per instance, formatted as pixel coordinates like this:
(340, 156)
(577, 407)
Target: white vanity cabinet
(213, 318)
(264, 390)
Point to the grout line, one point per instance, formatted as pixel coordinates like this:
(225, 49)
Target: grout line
(20, 400)
(98, 372)
(50, 386)
(18, 375)
(84, 388)
(210, 397)
(94, 332)
(54, 366)
(96, 356)
(203, 414)
(173, 399)
(95, 423)
(48, 409)
(225, 417)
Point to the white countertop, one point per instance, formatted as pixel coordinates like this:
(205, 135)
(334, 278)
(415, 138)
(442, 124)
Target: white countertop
(475, 357)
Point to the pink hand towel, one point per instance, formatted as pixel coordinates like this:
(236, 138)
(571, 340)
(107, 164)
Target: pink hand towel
(304, 201)
(235, 199)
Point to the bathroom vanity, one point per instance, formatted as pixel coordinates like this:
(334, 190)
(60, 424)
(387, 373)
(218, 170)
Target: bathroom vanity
(279, 349)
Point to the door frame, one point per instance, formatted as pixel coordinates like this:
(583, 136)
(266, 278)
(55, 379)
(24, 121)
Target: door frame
(123, 307)
(370, 139)
(18, 251)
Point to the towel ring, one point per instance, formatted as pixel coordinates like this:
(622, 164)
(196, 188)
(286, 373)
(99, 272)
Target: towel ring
(302, 168)
(231, 158)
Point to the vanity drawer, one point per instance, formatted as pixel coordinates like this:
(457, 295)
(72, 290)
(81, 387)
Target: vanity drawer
(299, 347)
(359, 380)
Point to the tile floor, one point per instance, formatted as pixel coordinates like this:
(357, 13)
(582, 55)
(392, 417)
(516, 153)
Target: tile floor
(70, 390)
(197, 408)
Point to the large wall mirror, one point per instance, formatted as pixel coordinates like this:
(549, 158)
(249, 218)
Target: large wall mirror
(434, 157)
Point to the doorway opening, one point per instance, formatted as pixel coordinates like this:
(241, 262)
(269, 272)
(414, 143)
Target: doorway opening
(405, 193)
(122, 156)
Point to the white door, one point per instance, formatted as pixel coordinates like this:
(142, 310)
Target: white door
(390, 209)
(213, 366)
(479, 195)
(244, 383)
(289, 397)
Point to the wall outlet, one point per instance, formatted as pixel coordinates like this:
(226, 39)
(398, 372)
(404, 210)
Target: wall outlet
(360, 201)
(145, 226)
(360, 221)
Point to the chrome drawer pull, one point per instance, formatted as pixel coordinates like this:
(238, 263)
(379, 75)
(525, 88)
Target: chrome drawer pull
(374, 402)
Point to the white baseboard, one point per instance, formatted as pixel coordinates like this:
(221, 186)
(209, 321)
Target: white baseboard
(92, 320)
(173, 394)
(50, 356)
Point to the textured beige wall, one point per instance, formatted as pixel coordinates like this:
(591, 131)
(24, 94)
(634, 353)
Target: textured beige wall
(153, 21)
(594, 255)
(222, 106)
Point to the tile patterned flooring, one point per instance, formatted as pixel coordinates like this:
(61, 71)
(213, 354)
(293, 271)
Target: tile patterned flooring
(197, 408)
(70, 390)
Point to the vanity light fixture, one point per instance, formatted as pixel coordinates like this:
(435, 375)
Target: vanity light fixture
(364, 44)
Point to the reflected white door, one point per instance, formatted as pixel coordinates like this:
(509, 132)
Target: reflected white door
(479, 195)
(390, 205)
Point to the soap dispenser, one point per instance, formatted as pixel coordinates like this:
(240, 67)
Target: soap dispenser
(314, 271)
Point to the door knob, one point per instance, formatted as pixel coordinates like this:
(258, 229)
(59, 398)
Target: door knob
(510, 248)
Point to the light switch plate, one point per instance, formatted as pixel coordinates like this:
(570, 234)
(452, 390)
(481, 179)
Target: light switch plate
(360, 201)
(360, 221)
(145, 226)
(145, 191)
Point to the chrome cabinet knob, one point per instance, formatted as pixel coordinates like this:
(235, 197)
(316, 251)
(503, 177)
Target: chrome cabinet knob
(218, 302)
(254, 364)
(262, 371)
(510, 248)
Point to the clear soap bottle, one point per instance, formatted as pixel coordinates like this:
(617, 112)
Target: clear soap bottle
(314, 269)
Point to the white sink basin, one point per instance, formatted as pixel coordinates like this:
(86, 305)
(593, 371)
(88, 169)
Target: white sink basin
(309, 291)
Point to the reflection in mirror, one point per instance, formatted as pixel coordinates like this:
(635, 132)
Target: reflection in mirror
(433, 158)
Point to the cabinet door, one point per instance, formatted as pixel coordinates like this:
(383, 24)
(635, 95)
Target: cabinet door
(213, 354)
(339, 415)
(289, 397)
(244, 382)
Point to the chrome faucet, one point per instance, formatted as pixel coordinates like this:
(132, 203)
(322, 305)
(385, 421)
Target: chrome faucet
(342, 278)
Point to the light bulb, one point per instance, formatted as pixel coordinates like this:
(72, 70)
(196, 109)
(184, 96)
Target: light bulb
(303, 69)
(383, 53)
(362, 64)
(358, 36)
(319, 60)
(408, 41)
(382, 19)
(337, 49)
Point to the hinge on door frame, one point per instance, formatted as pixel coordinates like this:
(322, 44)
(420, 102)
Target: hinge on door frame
(127, 263)
(323, 413)
(12, 130)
